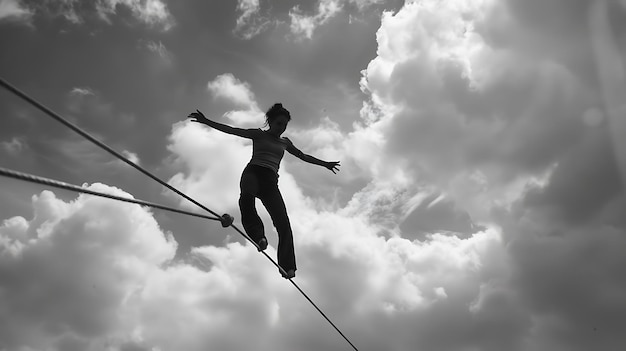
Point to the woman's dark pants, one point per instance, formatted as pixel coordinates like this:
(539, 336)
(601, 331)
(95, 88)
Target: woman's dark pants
(261, 182)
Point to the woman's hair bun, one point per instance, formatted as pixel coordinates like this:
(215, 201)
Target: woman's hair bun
(276, 110)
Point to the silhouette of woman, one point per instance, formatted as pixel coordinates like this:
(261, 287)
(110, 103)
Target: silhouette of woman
(260, 180)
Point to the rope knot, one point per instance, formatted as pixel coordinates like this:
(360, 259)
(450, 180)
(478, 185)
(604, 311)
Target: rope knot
(226, 220)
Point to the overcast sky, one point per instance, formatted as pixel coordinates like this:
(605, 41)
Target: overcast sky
(480, 203)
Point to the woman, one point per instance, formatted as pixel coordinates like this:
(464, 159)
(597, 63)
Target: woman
(260, 180)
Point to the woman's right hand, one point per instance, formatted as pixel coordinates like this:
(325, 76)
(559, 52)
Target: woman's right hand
(197, 117)
(332, 166)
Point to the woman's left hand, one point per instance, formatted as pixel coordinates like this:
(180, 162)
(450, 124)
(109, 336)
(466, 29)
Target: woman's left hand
(197, 117)
(333, 166)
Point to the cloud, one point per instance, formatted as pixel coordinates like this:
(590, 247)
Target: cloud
(362, 276)
(477, 121)
(159, 59)
(589, 163)
(96, 111)
(82, 91)
(364, 4)
(68, 10)
(94, 272)
(250, 23)
(151, 12)
(211, 162)
(460, 128)
(303, 25)
(105, 275)
(14, 146)
(14, 10)
(228, 88)
(90, 110)
(66, 271)
(131, 156)
(569, 278)
(252, 20)
(500, 127)
(610, 66)
(160, 49)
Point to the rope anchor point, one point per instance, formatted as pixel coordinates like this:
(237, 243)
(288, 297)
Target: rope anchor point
(226, 220)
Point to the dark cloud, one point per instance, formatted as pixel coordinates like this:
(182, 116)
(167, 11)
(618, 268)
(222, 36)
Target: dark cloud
(134, 346)
(570, 279)
(565, 246)
(554, 29)
(584, 182)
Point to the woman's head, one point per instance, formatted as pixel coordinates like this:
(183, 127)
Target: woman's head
(277, 118)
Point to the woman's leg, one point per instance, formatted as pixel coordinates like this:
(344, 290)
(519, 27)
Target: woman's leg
(252, 223)
(275, 205)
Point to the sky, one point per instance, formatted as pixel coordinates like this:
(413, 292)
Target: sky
(479, 207)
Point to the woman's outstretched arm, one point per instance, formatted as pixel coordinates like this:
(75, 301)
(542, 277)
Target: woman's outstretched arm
(200, 118)
(332, 166)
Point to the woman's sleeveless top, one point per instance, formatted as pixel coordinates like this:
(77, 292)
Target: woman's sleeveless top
(268, 151)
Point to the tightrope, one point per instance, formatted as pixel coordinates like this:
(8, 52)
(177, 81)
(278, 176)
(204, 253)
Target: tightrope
(225, 219)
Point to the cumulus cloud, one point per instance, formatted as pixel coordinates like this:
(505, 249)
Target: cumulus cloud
(359, 274)
(461, 125)
(94, 272)
(228, 88)
(66, 271)
(355, 256)
(100, 272)
(501, 128)
(507, 147)
(210, 163)
(458, 121)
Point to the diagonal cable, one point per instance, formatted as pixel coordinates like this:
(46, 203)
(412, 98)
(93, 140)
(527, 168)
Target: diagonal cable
(102, 145)
(66, 186)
